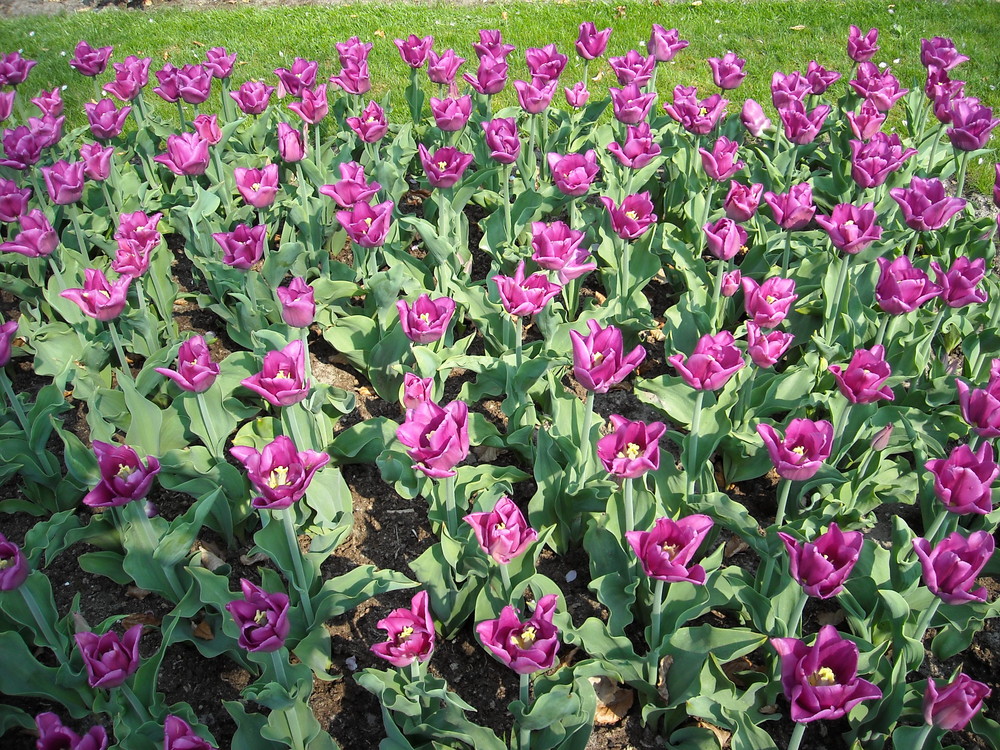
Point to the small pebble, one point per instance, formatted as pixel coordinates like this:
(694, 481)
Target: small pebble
(351, 663)
(571, 576)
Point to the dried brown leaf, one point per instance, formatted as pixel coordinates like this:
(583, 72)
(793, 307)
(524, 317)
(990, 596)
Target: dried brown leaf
(140, 618)
(830, 618)
(661, 679)
(137, 593)
(253, 559)
(613, 700)
(722, 735)
(734, 546)
(196, 43)
(203, 631)
(210, 560)
(379, 33)
(799, 27)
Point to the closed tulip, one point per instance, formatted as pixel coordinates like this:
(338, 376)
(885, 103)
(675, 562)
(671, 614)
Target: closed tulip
(963, 481)
(196, 372)
(109, 660)
(502, 533)
(436, 438)
(863, 380)
(262, 618)
(950, 568)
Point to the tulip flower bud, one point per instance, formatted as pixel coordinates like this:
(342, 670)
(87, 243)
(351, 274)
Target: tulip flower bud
(64, 181)
(742, 201)
(291, 147)
(577, 96)
(862, 47)
(14, 567)
(298, 303)
(950, 569)
(219, 63)
(416, 390)
(195, 371)
(731, 283)
(109, 660)
(261, 617)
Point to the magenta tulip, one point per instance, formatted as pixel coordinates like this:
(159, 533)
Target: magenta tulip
(279, 472)
(713, 362)
(282, 380)
(863, 380)
(599, 359)
(196, 372)
(243, 247)
(765, 349)
(727, 71)
(502, 533)
(426, 320)
(411, 633)
(525, 647)
(821, 566)
(862, 47)
(666, 552)
(954, 705)
(951, 568)
(436, 438)
(768, 303)
(367, 225)
(633, 217)
(89, 61)
(556, 247)
(901, 288)
(109, 660)
(261, 617)
(257, 186)
(187, 154)
(100, 298)
(298, 303)
(963, 482)
(573, 174)
(632, 449)
(801, 452)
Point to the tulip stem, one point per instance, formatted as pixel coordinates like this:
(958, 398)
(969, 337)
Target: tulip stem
(588, 417)
(796, 740)
(882, 328)
(117, 343)
(795, 621)
(911, 249)
(212, 436)
(279, 667)
(529, 179)
(74, 217)
(692, 444)
(936, 525)
(784, 489)
(58, 273)
(14, 403)
(524, 735)
(180, 115)
(654, 630)
(278, 660)
(702, 237)
(518, 341)
(746, 391)
(623, 273)
(107, 197)
(508, 225)
(831, 322)
(786, 255)
(505, 578)
(43, 625)
(629, 504)
(134, 701)
(141, 520)
(963, 166)
(925, 619)
(152, 341)
(300, 577)
(838, 436)
(717, 293)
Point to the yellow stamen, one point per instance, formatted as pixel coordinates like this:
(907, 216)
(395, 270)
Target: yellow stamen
(525, 639)
(442, 165)
(631, 451)
(283, 375)
(278, 477)
(6, 562)
(631, 214)
(404, 635)
(670, 550)
(125, 471)
(261, 617)
(800, 449)
(255, 186)
(822, 676)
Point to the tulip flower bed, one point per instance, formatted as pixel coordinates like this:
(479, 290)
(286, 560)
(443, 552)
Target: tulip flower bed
(683, 413)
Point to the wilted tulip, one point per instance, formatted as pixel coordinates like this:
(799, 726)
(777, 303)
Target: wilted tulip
(109, 660)
(195, 371)
(426, 320)
(954, 705)
(257, 186)
(713, 362)
(863, 380)
(599, 359)
(764, 349)
(100, 298)
(502, 533)
(963, 481)
(666, 552)
(411, 633)
(279, 472)
(262, 618)
(950, 569)
(367, 225)
(243, 247)
(436, 438)
(851, 228)
(525, 647)
(282, 380)
(298, 303)
(802, 451)
(89, 61)
(821, 681)
(632, 449)
(901, 288)
(821, 566)
(633, 217)
(727, 71)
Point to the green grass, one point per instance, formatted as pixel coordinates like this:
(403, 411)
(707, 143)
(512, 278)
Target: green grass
(760, 31)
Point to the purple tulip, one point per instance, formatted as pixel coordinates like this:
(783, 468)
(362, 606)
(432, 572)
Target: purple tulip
(851, 228)
(372, 125)
(556, 247)
(953, 706)
(573, 174)
(765, 349)
(901, 288)
(138, 229)
(525, 647)
(298, 303)
(963, 481)
(753, 118)
(663, 44)
(727, 71)
(194, 84)
(352, 188)
(353, 78)
(863, 380)
(633, 68)
(96, 161)
(47, 130)
(8, 331)
(279, 472)
(794, 209)
(630, 105)
(179, 735)
(730, 285)
(666, 552)
(52, 735)
(873, 162)
(742, 201)
(633, 217)
(451, 115)
(64, 181)
(257, 186)
(981, 406)
(106, 120)
(168, 90)
(445, 167)
(820, 78)
(416, 390)
(282, 380)
(787, 90)
(314, 107)
(261, 617)
(866, 121)
(502, 139)
(426, 320)
(36, 239)
(862, 47)
(123, 476)
(720, 163)
(821, 681)
(940, 52)
(367, 225)
(13, 200)
(22, 148)
(301, 76)
(196, 372)
(243, 247)
(88, 61)
(950, 569)
(132, 258)
(698, 116)
(187, 154)
(632, 449)
(491, 44)
(599, 359)
(972, 124)
(713, 362)
(252, 97)
(591, 43)
(821, 566)
(49, 103)
(491, 76)
(802, 451)
(411, 633)
(534, 98)
(769, 303)
(881, 88)
(577, 96)
(545, 63)
(996, 187)
(960, 283)
(802, 125)
(219, 63)
(639, 149)
(436, 438)
(14, 69)
(291, 146)
(725, 238)
(100, 298)
(502, 533)
(131, 75)
(442, 68)
(414, 50)
(522, 296)
(109, 660)
(925, 205)
(14, 568)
